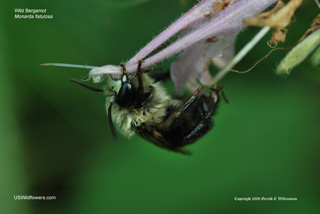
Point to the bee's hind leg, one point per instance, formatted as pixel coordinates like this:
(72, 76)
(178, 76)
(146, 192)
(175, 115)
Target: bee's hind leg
(176, 113)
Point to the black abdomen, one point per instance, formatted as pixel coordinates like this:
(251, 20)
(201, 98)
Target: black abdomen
(193, 122)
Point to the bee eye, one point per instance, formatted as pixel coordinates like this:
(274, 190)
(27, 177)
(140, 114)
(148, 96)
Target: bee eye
(127, 95)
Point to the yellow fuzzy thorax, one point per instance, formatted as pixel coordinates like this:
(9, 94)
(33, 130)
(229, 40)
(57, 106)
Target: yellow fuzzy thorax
(152, 112)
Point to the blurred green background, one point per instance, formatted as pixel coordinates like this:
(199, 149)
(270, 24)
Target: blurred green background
(55, 138)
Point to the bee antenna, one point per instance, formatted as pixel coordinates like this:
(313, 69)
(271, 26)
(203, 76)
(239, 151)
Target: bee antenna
(111, 123)
(86, 86)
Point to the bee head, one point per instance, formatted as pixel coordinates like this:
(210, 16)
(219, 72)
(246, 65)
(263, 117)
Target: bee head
(127, 93)
(120, 90)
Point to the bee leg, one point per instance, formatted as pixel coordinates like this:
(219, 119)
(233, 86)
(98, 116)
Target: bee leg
(152, 70)
(147, 70)
(140, 92)
(167, 123)
(192, 98)
(218, 89)
(147, 96)
(174, 115)
(141, 96)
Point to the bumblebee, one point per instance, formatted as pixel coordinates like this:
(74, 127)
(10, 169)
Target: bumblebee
(138, 104)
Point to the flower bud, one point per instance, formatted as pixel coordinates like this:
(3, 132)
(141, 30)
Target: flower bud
(299, 53)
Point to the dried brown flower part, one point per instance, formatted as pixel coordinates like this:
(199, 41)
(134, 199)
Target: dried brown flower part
(316, 21)
(278, 18)
(221, 5)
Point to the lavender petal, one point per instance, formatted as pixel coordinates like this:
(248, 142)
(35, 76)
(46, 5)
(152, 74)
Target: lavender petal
(194, 60)
(227, 56)
(229, 21)
(193, 15)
